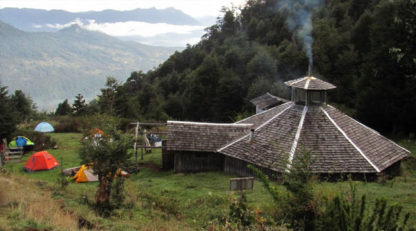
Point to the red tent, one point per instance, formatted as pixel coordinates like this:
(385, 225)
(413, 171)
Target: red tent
(41, 161)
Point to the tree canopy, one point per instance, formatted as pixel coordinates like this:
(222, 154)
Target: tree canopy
(365, 48)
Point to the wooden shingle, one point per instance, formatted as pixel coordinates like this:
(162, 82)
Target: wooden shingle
(202, 137)
(310, 83)
(267, 101)
(338, 143)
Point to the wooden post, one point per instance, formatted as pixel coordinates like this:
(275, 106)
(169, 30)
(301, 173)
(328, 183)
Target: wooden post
(135, 140)
(2, 150)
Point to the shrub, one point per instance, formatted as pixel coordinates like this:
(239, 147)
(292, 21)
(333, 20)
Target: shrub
(349, 213)
(305, 211)
(70, 124)
(240, 213)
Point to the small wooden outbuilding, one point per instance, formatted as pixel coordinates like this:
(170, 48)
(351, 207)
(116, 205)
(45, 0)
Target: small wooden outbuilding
(273, 139)
(267, 101)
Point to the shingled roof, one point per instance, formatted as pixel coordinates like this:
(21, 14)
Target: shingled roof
(310, 83)
(202, 137)
(338, 143)
(267, 100)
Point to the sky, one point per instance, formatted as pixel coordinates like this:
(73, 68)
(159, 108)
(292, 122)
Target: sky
(195, 8)
(157, 34)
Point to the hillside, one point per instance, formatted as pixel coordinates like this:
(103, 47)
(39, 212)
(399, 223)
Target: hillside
(53, 66)
(160, 200)
(366, 49)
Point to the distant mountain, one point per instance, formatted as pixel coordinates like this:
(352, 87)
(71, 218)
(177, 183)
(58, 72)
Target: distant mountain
(52, 66)
(38, 20)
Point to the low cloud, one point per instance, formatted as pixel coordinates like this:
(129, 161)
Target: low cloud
(140, 28)
(136, 29)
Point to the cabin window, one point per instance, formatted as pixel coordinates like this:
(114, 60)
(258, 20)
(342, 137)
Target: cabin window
(299, 96)
(316, 97)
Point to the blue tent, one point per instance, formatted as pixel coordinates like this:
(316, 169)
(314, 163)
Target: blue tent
(44, 127)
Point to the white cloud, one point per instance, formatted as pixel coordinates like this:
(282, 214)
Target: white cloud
(149, 32)
(195, 8)
(61, 26)
(143, 29)
(131, 28)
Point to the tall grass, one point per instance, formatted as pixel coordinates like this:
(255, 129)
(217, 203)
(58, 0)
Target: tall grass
(31, 207)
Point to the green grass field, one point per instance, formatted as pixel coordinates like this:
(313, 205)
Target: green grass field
(167, 200)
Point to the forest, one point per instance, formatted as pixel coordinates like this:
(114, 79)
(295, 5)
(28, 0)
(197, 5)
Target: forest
(366, 48)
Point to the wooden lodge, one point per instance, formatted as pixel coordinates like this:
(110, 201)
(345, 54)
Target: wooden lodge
(273, 139)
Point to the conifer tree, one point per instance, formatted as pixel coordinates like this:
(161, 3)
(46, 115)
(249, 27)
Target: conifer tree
(79, 106)
(7, 119)
(63, 108)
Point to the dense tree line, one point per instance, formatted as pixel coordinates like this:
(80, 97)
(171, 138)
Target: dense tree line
(366, 48)
(14, 109)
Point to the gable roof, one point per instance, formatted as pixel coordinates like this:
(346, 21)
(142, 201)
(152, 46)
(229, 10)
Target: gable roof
(267, 100)
(310, 83)
(202, 137)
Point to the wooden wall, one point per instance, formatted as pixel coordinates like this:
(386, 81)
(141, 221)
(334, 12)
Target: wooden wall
(198, 161)
(239, 168)
(168, 158)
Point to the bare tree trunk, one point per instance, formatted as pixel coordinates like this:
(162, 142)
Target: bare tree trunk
(102, 197)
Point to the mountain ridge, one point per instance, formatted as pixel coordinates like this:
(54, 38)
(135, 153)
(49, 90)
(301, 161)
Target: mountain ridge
(28, 19)
(58, 65)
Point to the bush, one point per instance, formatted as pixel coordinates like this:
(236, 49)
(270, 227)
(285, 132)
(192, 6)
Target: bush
(71, 124)
(240, 213)
(349, 213)
(303, 210)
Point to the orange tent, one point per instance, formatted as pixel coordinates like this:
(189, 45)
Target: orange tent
(85, 175)
(41, 161)
(95, 132)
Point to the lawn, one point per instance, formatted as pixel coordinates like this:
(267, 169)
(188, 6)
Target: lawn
(163, 199)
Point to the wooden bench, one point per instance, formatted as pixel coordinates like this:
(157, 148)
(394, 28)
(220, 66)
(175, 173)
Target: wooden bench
(11, 155)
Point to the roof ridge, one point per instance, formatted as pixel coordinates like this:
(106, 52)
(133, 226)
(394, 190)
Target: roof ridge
(375, 132)
(298, 80)
(209, 124)
(268, 121)
(349, 140)
(307, 83)
(274, 117)
(297, 136)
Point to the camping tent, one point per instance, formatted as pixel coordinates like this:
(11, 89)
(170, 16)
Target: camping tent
(44, 127)
(21, 141)
(95, 132)
(41, 161)
(84, 175)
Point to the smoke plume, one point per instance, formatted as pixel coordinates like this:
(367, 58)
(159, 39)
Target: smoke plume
(299, 21)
